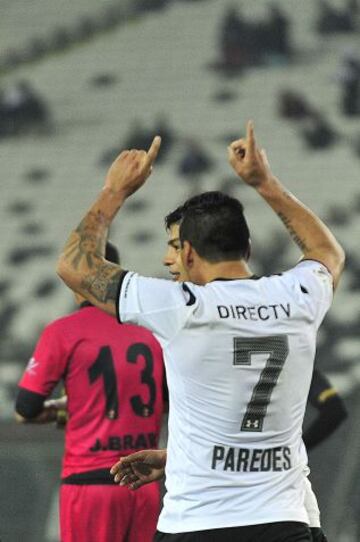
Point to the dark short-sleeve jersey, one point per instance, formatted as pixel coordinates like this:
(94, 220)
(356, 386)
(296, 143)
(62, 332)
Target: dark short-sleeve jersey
(113, 376)
(320, 390)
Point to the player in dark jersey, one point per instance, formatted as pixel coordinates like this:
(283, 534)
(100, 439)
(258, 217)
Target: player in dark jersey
(331, 410)
(113, 377)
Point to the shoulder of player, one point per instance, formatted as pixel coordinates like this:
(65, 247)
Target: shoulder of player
(63, 322)
(251, 282)
(174, 292)
(136, 333)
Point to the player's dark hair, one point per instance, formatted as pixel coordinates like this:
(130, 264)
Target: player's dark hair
(215, 225)
(174, 217)
(112, 253)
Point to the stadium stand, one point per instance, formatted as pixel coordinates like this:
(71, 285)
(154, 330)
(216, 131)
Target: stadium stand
(152, 64)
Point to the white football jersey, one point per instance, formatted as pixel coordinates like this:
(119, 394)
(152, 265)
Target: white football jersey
(311, 505)
(239, 359)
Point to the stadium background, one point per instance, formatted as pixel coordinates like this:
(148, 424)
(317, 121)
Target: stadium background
(106, 73)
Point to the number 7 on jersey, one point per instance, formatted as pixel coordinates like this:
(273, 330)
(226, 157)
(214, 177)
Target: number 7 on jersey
(277, 348)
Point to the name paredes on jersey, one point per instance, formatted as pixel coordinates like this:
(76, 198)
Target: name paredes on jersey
(232, 459)
(255, 312)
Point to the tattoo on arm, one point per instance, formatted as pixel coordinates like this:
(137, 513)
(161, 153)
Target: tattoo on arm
(287, 223)
(92, 276)
(90, 241)
(103, 286)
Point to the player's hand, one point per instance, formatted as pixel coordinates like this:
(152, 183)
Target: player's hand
(52, 409)
(248, 161)
(131, 168)
(140, 468)
(48, 413)
(58, 404)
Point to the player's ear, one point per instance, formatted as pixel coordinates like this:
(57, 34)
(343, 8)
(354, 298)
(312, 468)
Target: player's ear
(187, 255)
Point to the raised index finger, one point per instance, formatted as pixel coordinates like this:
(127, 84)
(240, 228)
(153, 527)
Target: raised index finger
(250, 137)
(154, 149)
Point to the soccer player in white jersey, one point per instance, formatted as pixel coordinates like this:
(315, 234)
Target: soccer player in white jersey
(146, 466)
(238, 352)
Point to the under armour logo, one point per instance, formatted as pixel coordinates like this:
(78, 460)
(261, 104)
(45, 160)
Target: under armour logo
(252, 424)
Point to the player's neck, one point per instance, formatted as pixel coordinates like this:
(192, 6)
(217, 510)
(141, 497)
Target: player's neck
(237, 269)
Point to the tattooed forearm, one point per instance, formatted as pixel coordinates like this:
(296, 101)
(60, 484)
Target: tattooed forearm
(104, 285)
(93, 223)
(82, 264)
(88, 241)
(287, 223)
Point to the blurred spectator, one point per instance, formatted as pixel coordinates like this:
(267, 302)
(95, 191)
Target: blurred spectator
(113, 15)
(154, 5)
(195, 161)
(278, 31)
(317, 132)
(233, 43)
(357, 146)
(331, 19)
(250, 43)
(353, 8)
(349, 77)
(164, 130)
(338, 216)
(103, 80)
(292, 105)
(86, 28)
(36, 49)
(139, 137)
(224, 95)
(22, 110)
(12, 58)
(61, 39)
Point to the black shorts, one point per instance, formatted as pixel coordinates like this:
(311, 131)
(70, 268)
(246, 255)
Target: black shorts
(318, 535)
(282, 531)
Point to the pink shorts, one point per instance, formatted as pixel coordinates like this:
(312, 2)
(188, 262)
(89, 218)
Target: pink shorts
(108, 513)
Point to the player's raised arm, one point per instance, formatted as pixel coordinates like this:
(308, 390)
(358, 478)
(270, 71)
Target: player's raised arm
(82, 265)
(314, 239)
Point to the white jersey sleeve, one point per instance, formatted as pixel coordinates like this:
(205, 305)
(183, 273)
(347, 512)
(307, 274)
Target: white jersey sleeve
(313, 286)
(159, 305)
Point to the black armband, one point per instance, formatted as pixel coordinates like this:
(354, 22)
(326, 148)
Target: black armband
(29, 404)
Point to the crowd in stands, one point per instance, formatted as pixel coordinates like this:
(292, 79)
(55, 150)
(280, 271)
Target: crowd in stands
(245, 43)
(87, 27)
(349, 79)
(23, 110)
(332, 20)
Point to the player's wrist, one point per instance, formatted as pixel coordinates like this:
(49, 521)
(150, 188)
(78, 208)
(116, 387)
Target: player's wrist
(270, 188)
(162, 453)
(110, 201)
